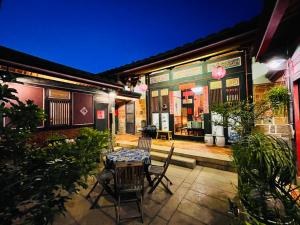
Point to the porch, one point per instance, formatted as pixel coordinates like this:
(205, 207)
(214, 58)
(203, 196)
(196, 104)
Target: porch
(187, 153)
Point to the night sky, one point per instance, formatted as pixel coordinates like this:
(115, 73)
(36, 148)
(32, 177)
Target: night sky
(95, 35)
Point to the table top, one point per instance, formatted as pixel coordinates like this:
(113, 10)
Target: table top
(130, 155)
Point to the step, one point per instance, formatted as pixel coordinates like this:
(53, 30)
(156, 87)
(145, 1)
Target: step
(176, 160)
(203, 158)
(216, 161)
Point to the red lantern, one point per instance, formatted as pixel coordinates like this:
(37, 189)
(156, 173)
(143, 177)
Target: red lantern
(218, 72)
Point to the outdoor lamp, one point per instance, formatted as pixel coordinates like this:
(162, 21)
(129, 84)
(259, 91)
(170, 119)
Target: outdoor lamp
(277, 64)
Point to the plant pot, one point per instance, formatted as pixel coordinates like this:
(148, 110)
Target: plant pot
(209, 139)
(220, 141)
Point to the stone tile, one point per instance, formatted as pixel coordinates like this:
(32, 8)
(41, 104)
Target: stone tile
(193, 175)
(207, 201)
(78, 207)
(181, 219)
(179, 172)
(213, 192)
(227, 174)
(96, 217)
(203, 214)
(229, 187)
(151, 208)
(170, 207)
(174, 179)
(159, 195)
(221, 177)
(159, 221)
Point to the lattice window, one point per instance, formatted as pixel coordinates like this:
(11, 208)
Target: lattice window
(59, 112)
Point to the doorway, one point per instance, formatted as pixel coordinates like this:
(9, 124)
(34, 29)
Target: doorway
(130, 118)
(101, 114)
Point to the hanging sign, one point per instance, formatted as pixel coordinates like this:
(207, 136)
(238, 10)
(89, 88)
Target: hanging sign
(100, 114)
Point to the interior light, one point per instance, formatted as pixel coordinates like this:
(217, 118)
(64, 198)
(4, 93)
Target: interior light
(277, 64)
(197, 90)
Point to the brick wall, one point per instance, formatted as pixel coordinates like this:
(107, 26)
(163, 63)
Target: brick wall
(140, 113)
(277, 125)
(122, 119)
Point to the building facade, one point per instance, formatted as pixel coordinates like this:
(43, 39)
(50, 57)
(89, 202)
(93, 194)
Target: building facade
(182, 88)
(70, 98)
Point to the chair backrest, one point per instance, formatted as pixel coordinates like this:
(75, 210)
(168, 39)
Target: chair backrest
(144, 143)
(168, 160)
(129, 177)
(110, 143)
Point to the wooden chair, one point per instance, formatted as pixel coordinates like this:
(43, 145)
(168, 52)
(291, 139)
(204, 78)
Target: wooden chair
(160, 172)
(129, 186)
(104, 179)
(144, 143)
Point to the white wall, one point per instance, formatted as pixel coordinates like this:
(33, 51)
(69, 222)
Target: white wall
(259, 71)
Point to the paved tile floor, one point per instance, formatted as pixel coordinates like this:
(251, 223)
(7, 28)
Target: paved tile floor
(200, 197)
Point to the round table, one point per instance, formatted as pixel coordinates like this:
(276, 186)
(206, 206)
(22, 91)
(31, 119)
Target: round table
(130, 155)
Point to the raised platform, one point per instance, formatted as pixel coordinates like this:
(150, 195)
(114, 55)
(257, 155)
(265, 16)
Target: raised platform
(187, 157)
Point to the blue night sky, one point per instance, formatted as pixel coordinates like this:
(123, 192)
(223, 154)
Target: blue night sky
(95, 35)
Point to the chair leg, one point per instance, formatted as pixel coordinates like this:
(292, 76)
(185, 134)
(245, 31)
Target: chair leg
(97, 199)
(167, 188)
(88, 195)
(118, 209)
(168, 180)
(155, 185)
(142, 210)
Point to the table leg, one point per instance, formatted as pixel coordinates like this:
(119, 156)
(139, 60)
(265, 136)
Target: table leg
(157, 135)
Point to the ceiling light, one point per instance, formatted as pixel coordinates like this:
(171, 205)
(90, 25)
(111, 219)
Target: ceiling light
(197, 90)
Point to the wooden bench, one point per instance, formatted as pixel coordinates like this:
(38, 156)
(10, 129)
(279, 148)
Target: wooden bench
(166, 132)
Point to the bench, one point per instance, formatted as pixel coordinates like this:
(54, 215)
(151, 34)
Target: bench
(164, 132)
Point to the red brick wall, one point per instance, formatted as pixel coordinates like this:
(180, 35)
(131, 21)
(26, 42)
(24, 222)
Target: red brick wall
(41, 136)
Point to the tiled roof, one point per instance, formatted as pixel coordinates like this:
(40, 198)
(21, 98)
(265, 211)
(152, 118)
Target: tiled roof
(210, 39)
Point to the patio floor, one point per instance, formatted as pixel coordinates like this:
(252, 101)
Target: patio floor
(200, 197)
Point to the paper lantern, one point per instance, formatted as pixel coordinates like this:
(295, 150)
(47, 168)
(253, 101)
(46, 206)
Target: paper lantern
(143, 87)
(218, 72)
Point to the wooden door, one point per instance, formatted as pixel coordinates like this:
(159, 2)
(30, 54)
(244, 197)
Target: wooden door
(101, 114)
(130, 118)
